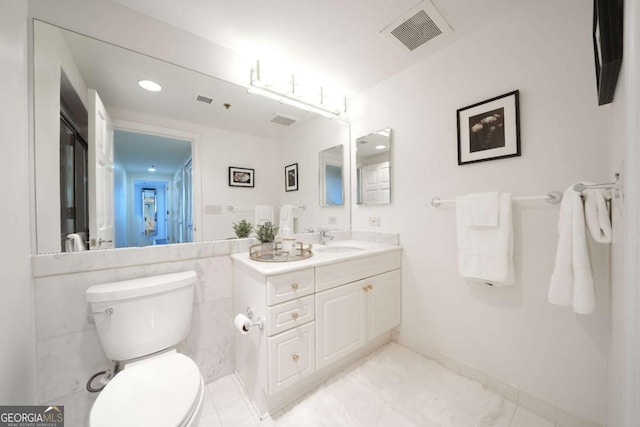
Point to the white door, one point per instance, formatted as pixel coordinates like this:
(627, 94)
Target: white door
(101, 209)
(340, 322)
(385, 302)
(376, 185)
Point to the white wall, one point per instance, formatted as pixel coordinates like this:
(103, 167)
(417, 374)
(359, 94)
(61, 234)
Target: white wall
(16, 307)
(302, 145)
(616, 356)
(514, 334)
(624, 383)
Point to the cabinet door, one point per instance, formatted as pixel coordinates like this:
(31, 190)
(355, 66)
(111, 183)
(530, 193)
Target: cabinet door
(291, 356)
(340, 322)
(384, 292)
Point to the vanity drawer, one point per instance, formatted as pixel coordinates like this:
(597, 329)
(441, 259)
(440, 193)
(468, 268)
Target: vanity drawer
(290, 314)
(339, 273)
(288, 286)
(291, 356)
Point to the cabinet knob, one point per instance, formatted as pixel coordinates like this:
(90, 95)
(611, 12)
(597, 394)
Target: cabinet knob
(295, 357)
(294, 315)
(365, 288)
(294, 286)
(370, 287)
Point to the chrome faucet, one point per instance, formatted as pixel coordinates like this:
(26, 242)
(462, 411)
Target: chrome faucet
(324, 235)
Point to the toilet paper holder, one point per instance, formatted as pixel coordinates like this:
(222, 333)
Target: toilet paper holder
(259, 322)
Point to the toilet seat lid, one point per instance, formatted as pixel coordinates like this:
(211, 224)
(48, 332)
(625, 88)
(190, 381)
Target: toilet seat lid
(158, 392)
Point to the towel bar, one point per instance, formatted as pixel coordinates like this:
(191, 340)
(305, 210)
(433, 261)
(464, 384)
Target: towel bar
(551, 197)
(580, 187)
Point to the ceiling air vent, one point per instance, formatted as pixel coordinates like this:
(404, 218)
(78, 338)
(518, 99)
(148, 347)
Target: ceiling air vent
(283, 120)
(205, 99)
(416, 27)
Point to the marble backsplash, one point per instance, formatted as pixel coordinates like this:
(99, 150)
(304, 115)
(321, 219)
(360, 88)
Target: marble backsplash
(68, 349)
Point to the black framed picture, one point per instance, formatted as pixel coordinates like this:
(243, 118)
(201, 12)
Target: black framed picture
(489, 129)
(607, 46)
(291, 177)
(241, 177)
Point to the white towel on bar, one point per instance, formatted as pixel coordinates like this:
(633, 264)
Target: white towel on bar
(287, 215)
(74, 243)
(596, 215)
(481, 209)
(263, 214)
(485, 253)
(571, 282)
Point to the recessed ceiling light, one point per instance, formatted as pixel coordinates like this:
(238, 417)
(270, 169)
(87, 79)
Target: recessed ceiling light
(149, 85)
(152, 169)
(380, 147)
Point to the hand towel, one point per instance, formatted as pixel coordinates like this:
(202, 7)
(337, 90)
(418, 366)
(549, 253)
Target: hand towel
(287, 215)
(596, 215)
(571, 282)
(74, 243)
(263, 214)
(485, 253)
(481, 209)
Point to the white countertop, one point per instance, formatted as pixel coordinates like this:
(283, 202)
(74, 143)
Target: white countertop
(334, 251)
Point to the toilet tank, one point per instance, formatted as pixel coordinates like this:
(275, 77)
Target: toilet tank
(138, 317)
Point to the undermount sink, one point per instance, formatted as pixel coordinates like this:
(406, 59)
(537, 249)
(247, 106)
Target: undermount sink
(332, 249)
(339, 247)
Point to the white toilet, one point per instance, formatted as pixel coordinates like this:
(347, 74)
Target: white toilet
(139, 322)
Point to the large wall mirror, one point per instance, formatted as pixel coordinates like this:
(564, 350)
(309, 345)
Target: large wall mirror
(103, 145)
(373, 163)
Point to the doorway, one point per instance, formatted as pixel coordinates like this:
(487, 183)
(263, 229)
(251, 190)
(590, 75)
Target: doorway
(74, 196)
(153, 189)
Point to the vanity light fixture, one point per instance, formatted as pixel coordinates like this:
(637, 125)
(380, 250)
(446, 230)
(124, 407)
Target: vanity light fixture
(152, 169)
(285, 92)
(149, 85)
(380, 147)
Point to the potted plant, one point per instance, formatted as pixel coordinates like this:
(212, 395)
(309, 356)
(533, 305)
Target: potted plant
(266, 234)
(242, 229)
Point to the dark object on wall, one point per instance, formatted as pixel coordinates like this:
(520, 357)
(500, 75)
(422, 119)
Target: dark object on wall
(489, 129)
(607, 46)
(241, 177)
(291, 177)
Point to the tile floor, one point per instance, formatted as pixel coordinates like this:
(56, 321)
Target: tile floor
(391, 387)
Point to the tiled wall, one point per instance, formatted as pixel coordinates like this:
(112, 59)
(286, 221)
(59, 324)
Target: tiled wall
(68, 350)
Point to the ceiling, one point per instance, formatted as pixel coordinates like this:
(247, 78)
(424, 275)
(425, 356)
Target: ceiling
(337, 40)
(136, 152)
(114, 73)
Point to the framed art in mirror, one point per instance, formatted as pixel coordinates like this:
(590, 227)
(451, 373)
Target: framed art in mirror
(291, 177)
(241, 177)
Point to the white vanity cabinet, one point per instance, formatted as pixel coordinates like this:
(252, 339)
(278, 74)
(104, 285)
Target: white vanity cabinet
(347, 316)
(315, 313)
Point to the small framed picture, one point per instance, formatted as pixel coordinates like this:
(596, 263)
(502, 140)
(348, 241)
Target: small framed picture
(489, 129)
(241, 177)
(291, 177)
